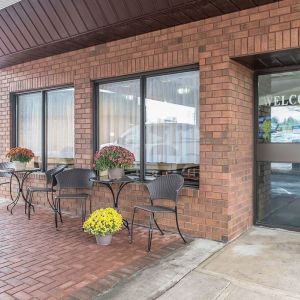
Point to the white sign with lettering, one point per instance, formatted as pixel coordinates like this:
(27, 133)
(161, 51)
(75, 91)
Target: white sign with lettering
(270, 100)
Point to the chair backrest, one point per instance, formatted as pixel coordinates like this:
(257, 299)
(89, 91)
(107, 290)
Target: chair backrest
(75, 178)
(50, 174)
(165, 187)
(4, 166)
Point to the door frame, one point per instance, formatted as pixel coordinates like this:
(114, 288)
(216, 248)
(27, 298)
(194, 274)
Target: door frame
(255, 128)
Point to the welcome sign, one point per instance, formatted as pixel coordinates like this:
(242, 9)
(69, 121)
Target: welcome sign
(283, 100)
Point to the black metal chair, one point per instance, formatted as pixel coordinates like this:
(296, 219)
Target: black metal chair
(73, 179)
(5, 166)
(164, 187)
(48, 188)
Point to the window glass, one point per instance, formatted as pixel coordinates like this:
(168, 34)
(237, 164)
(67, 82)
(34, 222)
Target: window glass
(54, 134)
(29, 124)
(172, 125)
(171, 122)
(119, 116)
(60, 127)
(279, 108)
(278, 194)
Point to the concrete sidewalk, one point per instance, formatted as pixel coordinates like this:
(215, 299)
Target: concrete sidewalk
(156, 280)
(263, 264)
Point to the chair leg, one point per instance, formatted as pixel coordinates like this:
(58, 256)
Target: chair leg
(84, 209)
(161, 232)
(83, 203)
(29, 204)
(150, 232)
(131, 229)
(27, 198)
(59, 211)
(55, 212)
(90, 198)
(176, 215)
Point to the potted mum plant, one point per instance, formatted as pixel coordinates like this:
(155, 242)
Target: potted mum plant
(20, 157)
(103, 223)
(114, 159)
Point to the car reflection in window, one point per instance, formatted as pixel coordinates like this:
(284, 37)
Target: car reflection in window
(170, 147)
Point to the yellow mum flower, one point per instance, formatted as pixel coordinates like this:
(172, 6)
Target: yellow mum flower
(103, 221)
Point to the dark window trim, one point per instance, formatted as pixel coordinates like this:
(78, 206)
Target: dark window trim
(168, 71)
(142, 78)
(44, 129)
(14, 112)
(255, 116)
(47, 89)
(14, 125)
(143, 82)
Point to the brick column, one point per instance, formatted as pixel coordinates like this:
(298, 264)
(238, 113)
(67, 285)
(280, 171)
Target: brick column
(83, 119)
(226, 144)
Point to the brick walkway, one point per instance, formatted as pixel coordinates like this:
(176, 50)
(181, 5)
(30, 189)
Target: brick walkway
(38, 262)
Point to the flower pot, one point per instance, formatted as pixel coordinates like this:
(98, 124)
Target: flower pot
(103, 173)
(103, 240)
(19, 166)
(115, 173)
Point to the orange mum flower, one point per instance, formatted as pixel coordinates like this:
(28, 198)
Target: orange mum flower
(20, 154)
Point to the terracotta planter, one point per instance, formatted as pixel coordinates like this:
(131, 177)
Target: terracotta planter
(116, 173)
(103, 240)
(19, 166)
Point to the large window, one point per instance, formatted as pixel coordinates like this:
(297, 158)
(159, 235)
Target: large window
(45, 124)
(157, 118)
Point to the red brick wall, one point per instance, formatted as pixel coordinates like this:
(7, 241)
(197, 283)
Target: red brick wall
(222, 207)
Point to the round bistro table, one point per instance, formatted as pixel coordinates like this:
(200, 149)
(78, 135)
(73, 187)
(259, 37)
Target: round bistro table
(20, 176)
(120, 183)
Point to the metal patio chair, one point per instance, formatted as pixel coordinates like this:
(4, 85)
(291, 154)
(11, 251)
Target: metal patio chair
(73, 179)
(164, 187)
(5, 166)
(48, 188)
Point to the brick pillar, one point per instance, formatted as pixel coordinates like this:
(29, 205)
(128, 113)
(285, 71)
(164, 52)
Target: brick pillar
(83, 119)
(226, 145)
(240, 197)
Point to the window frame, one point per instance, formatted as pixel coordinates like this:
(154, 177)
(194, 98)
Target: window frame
(44, 133)
(142, 77)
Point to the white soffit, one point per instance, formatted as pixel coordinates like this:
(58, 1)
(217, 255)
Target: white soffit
(5, 3)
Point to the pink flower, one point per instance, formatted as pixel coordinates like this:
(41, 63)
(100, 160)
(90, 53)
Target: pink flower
(113, 156)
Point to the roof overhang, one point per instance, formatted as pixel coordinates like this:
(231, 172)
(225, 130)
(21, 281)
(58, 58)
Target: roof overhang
(284, 59)
(32, 29)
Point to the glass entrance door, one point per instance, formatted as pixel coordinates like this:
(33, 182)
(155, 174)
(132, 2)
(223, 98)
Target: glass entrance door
(278, 150)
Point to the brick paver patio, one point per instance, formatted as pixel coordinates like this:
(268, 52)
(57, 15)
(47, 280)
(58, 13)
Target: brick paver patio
(38, 262)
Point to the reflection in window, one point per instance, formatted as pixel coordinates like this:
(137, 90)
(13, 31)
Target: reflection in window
(29, 124)
(171, 127)
(53, 134)
(278, 193)
(60, 126)
(119, 116)
(279, 108)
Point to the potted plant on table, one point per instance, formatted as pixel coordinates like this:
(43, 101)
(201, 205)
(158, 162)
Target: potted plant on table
(20, 157)
(103, 223)
(114, 159)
